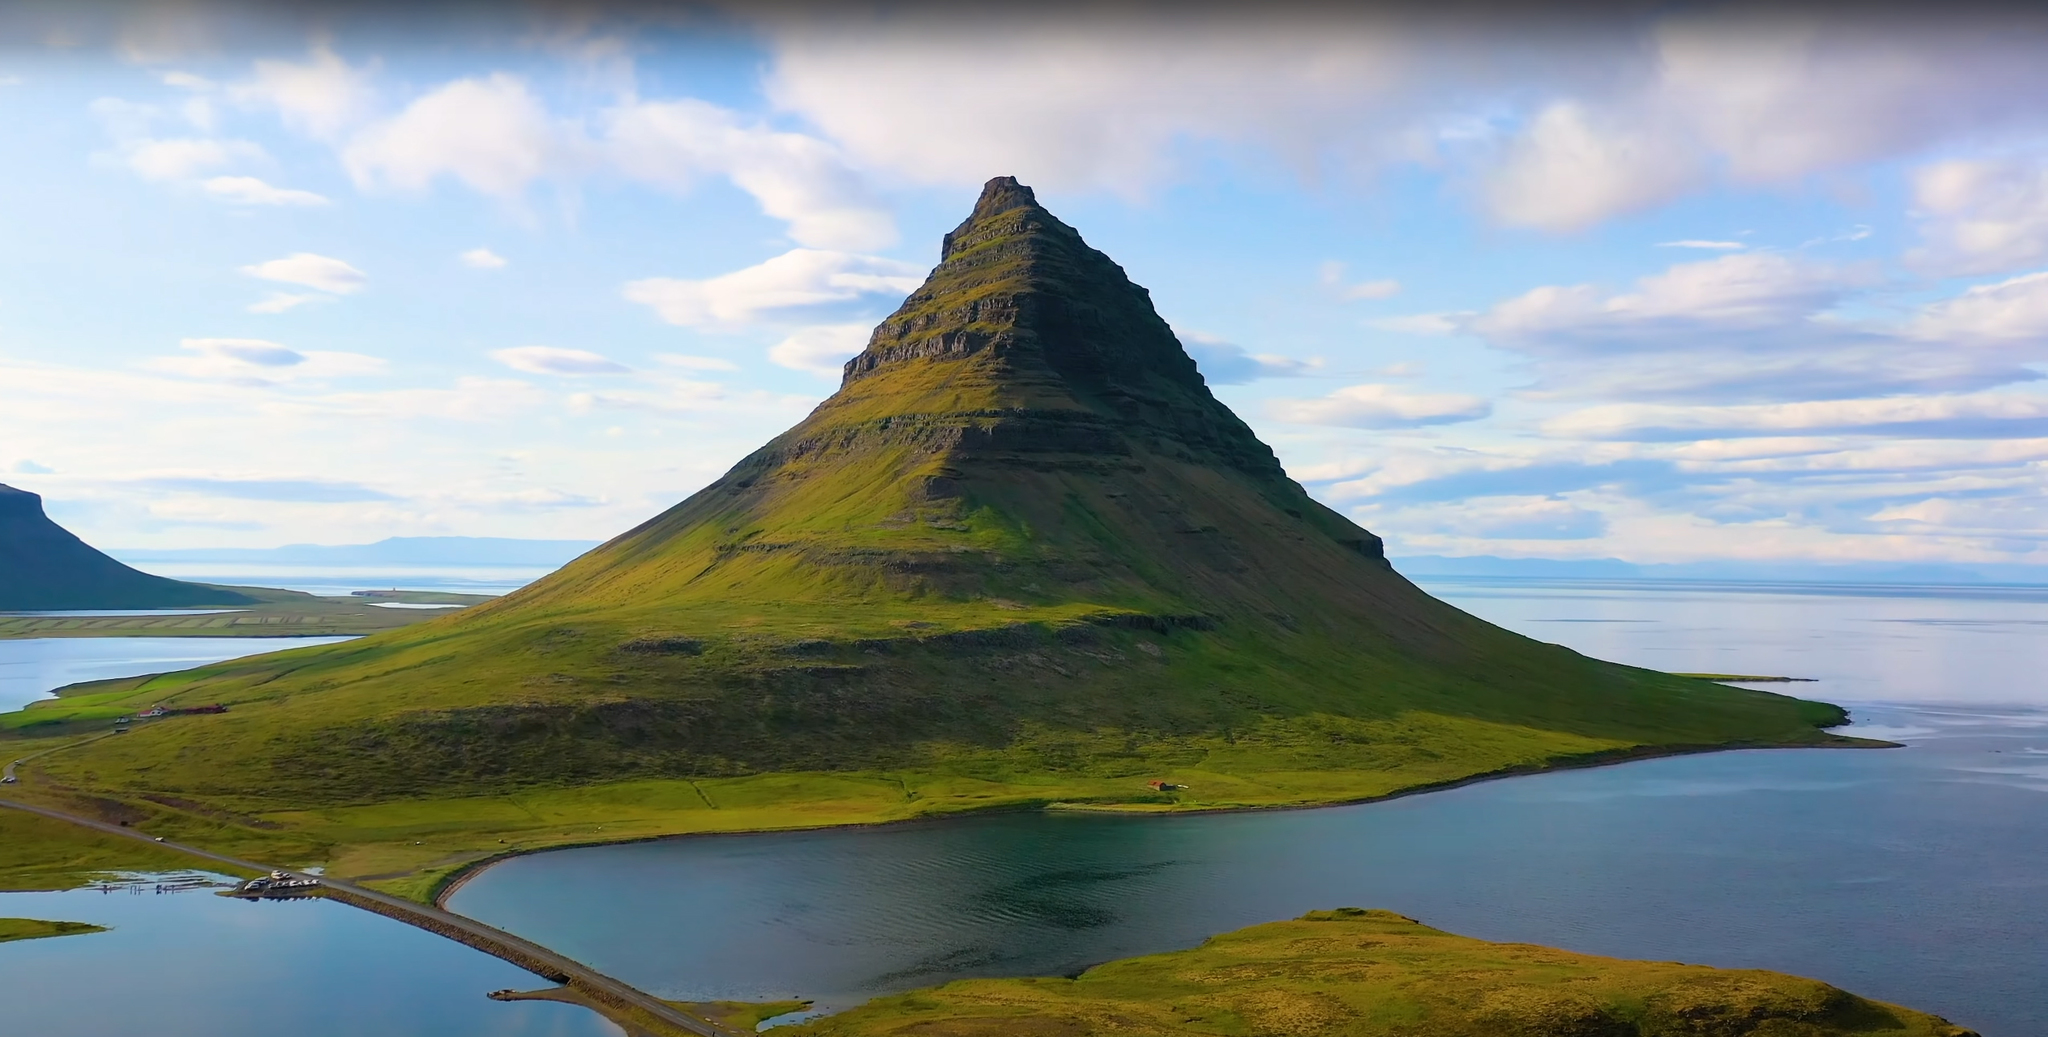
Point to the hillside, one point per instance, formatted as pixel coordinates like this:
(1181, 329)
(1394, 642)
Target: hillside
(1352, 973)
(43, 566)
(1022, 555)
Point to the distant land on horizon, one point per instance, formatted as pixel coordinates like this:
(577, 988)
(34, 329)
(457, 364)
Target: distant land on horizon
(438, 550)
(517, 552)
(1427, 566)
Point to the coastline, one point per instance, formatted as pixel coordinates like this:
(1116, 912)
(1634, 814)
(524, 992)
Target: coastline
(451, 883)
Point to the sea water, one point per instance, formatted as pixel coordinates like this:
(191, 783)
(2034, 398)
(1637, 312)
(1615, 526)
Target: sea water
(32, 668)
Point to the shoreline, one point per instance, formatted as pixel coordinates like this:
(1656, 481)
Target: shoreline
(453, 882)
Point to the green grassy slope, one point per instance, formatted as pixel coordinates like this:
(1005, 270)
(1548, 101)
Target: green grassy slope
(1022, 556)
(37, 853)
(1352, 973)
(43, 566)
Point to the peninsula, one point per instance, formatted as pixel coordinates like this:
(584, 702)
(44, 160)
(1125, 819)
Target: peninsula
(1022, 558)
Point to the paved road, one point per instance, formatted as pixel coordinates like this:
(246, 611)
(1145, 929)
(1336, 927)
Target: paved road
(487, 938)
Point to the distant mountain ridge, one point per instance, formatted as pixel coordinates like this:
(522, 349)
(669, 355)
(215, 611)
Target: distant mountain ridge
(1427, 566)
(442, 551)
(44, 566)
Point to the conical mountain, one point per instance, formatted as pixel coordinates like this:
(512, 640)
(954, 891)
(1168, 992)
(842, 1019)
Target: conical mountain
(1022, 543)
(44, 566)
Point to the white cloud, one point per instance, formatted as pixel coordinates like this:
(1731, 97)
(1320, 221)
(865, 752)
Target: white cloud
(797, 278)
(187, 81)
(483, 259)
(1746, 327)
(1521, 518)
(1332, 277)
(796, 178)
(1112, 97)
(1423, 323)
(183, 157)
(1979, 216)
(2014, 310)
(246, 351)
(821, 350)
(248, 190)
(260, 362)
(553, 360)
(278, 302)
(1969, 414)
(491, 133)
(1379, 406)
(132, 127)
(495, 135)
(1558, 129)
(312, 271)
(1225, 363)
(1713, 297)
(689, 362)
(321, 97)
(1572, 169)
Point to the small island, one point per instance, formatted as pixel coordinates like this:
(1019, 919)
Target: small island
(12, 929)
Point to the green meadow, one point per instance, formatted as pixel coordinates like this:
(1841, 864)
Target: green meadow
(1355, 973)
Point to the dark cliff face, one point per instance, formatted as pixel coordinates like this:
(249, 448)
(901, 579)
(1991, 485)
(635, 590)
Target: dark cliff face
(1020, 293)
(43, 566)
(19, 505)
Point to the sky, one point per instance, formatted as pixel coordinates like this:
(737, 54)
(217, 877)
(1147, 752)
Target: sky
(1664, 283)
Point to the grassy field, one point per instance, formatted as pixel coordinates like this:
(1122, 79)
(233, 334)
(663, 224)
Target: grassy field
(37, 853)
(1354, 973)
(271, 613)
(35, 929)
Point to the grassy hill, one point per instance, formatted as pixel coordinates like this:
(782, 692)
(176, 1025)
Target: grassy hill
(43, 566)
(1022, 556)
(1353, 973)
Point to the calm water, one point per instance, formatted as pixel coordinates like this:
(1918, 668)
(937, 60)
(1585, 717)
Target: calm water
(1980, 645)
(196, 965)
(30, 668)
(1916, 875)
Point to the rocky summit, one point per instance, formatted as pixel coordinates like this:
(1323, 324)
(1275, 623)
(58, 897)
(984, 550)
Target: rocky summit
(1022, 545)
(43, 566)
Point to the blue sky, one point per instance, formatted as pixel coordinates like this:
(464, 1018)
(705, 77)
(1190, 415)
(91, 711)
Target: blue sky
(1662, 287)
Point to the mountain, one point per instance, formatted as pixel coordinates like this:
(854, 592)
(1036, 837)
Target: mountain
(490, 552)
(1022, 551)
(43, 566)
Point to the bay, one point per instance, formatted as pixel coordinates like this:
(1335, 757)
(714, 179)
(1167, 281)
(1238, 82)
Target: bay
(31, 668)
